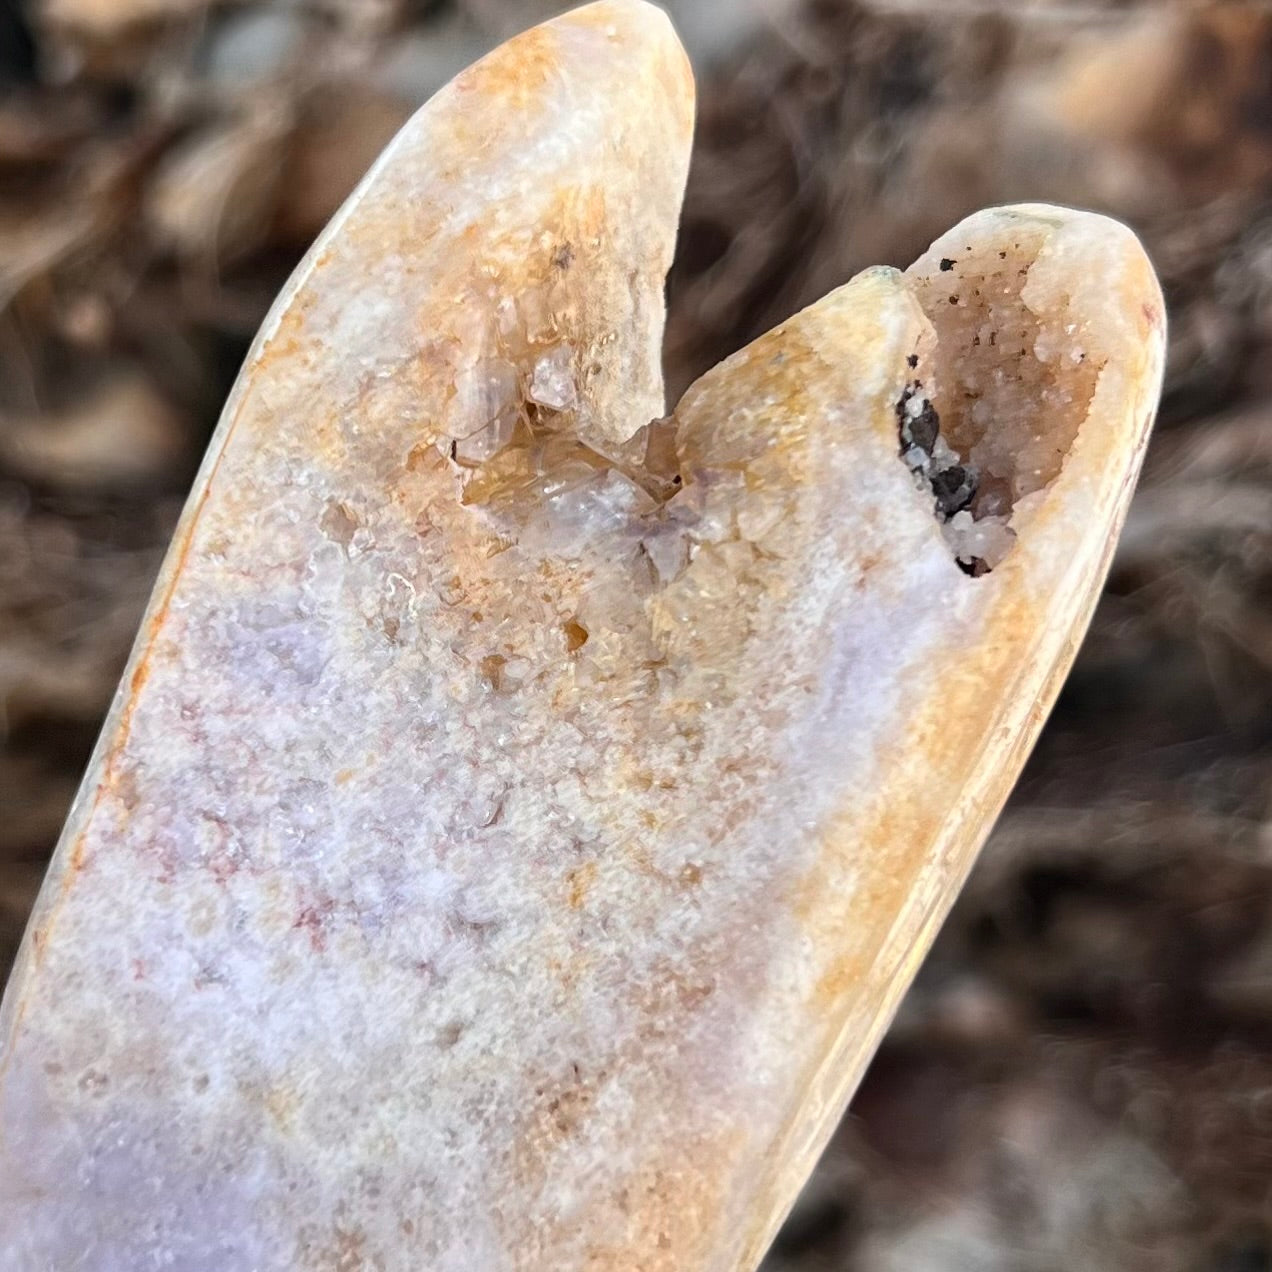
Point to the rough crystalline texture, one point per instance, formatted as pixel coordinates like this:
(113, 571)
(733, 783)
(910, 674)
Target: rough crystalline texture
(522, 813)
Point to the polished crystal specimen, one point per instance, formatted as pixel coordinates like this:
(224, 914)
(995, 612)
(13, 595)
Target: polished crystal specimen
(523, 812)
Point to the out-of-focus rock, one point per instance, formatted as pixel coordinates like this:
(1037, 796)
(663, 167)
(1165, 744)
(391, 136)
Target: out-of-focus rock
(87, 321)
(34, 239)
(342, 128)
(213, 198)
(109, 19)
(37, 131)
(369, 19)
(1048, 1183)
(876, 126)
(111, 40)
(419, 62)
(247, 46)
(54, 665)
(1172, 108)
(68, 219)
(710, 30)
(123, 435)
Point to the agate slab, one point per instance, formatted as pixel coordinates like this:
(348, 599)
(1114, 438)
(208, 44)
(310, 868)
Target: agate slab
(522, 813)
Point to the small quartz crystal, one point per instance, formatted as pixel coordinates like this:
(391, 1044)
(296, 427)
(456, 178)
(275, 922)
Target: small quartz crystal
(509, 325)
(552, 384)
(487, 442)
(987, 540)
(483, 391)
(667, 548)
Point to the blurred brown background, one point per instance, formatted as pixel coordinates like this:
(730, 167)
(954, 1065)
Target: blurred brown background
(1082, 1078)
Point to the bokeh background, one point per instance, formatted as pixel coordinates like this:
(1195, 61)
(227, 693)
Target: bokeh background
(1082, 1077)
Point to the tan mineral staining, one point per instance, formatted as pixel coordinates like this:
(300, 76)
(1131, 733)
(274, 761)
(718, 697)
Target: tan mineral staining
(524, 810)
